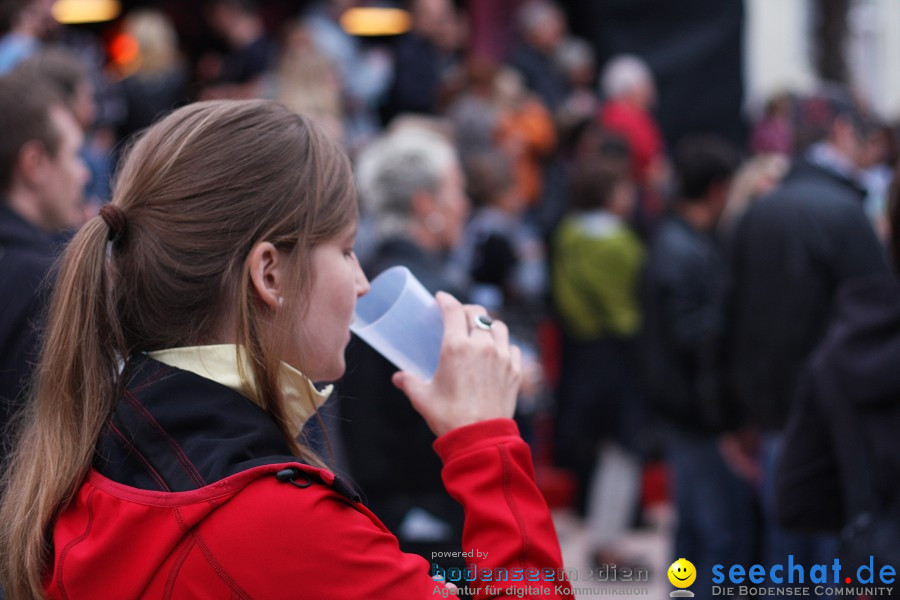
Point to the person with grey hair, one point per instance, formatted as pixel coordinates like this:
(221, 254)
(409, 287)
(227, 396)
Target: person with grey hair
(627, 86)
(535, 15)
(630, 93)
(577, 60)
(628, 77)
(400, 177)
(412, 187)
(542, 28)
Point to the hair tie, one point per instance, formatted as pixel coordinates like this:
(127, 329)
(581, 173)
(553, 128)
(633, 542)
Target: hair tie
(115, 220)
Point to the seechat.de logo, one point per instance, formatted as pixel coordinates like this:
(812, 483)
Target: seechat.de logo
(795, 579)
(682, 574)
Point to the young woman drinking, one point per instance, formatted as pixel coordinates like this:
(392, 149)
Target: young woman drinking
(158, 457)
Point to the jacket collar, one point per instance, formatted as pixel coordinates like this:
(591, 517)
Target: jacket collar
(690, 229)
(827, 157)
(219, 363)
(598, 222)
(15, 231)
(173, 430)
(807, 167)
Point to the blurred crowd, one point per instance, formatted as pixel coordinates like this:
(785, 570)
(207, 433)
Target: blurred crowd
(669, 299)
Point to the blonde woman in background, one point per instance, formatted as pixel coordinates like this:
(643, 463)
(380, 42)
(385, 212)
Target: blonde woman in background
(757, 177)
(155, 79)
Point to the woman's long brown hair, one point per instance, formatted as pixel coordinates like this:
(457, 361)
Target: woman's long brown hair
(198, 190)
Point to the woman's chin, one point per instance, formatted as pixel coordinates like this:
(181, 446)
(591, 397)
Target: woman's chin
(331, 373)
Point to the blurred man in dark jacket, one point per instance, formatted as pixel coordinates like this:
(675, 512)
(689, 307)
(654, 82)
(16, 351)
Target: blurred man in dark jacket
(684, 292)
(41, 181)
(791, 252)
(683, 295)
(425, 60)
(840, 468)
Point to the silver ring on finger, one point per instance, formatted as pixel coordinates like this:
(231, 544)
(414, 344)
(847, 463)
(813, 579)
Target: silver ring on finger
(483, 322)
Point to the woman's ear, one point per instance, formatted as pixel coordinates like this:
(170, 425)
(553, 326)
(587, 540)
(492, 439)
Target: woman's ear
(267, 272)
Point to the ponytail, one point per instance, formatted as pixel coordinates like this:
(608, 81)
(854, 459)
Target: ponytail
(74, 391)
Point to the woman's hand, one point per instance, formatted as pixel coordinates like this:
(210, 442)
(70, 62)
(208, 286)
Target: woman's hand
(478, 375)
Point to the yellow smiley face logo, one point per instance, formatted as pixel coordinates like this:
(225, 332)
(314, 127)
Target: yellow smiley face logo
(682, 573)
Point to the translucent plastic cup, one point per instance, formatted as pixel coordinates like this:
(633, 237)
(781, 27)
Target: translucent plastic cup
(401, 320)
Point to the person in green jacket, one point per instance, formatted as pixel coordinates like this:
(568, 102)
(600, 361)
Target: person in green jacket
(596, 265)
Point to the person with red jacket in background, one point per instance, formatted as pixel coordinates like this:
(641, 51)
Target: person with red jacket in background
(158, 456)
(629, 94)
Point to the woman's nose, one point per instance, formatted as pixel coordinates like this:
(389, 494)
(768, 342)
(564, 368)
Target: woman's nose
(362, 282)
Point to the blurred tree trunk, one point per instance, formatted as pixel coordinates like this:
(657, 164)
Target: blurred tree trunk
(831, 39)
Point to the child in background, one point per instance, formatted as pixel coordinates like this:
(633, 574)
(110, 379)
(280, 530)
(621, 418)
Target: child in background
(506, 260)
(505, 257)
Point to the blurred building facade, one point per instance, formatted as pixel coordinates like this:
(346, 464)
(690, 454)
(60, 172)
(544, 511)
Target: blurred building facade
(781, 50)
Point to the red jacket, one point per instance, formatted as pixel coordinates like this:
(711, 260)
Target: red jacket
(278, 529)
(639, 130)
